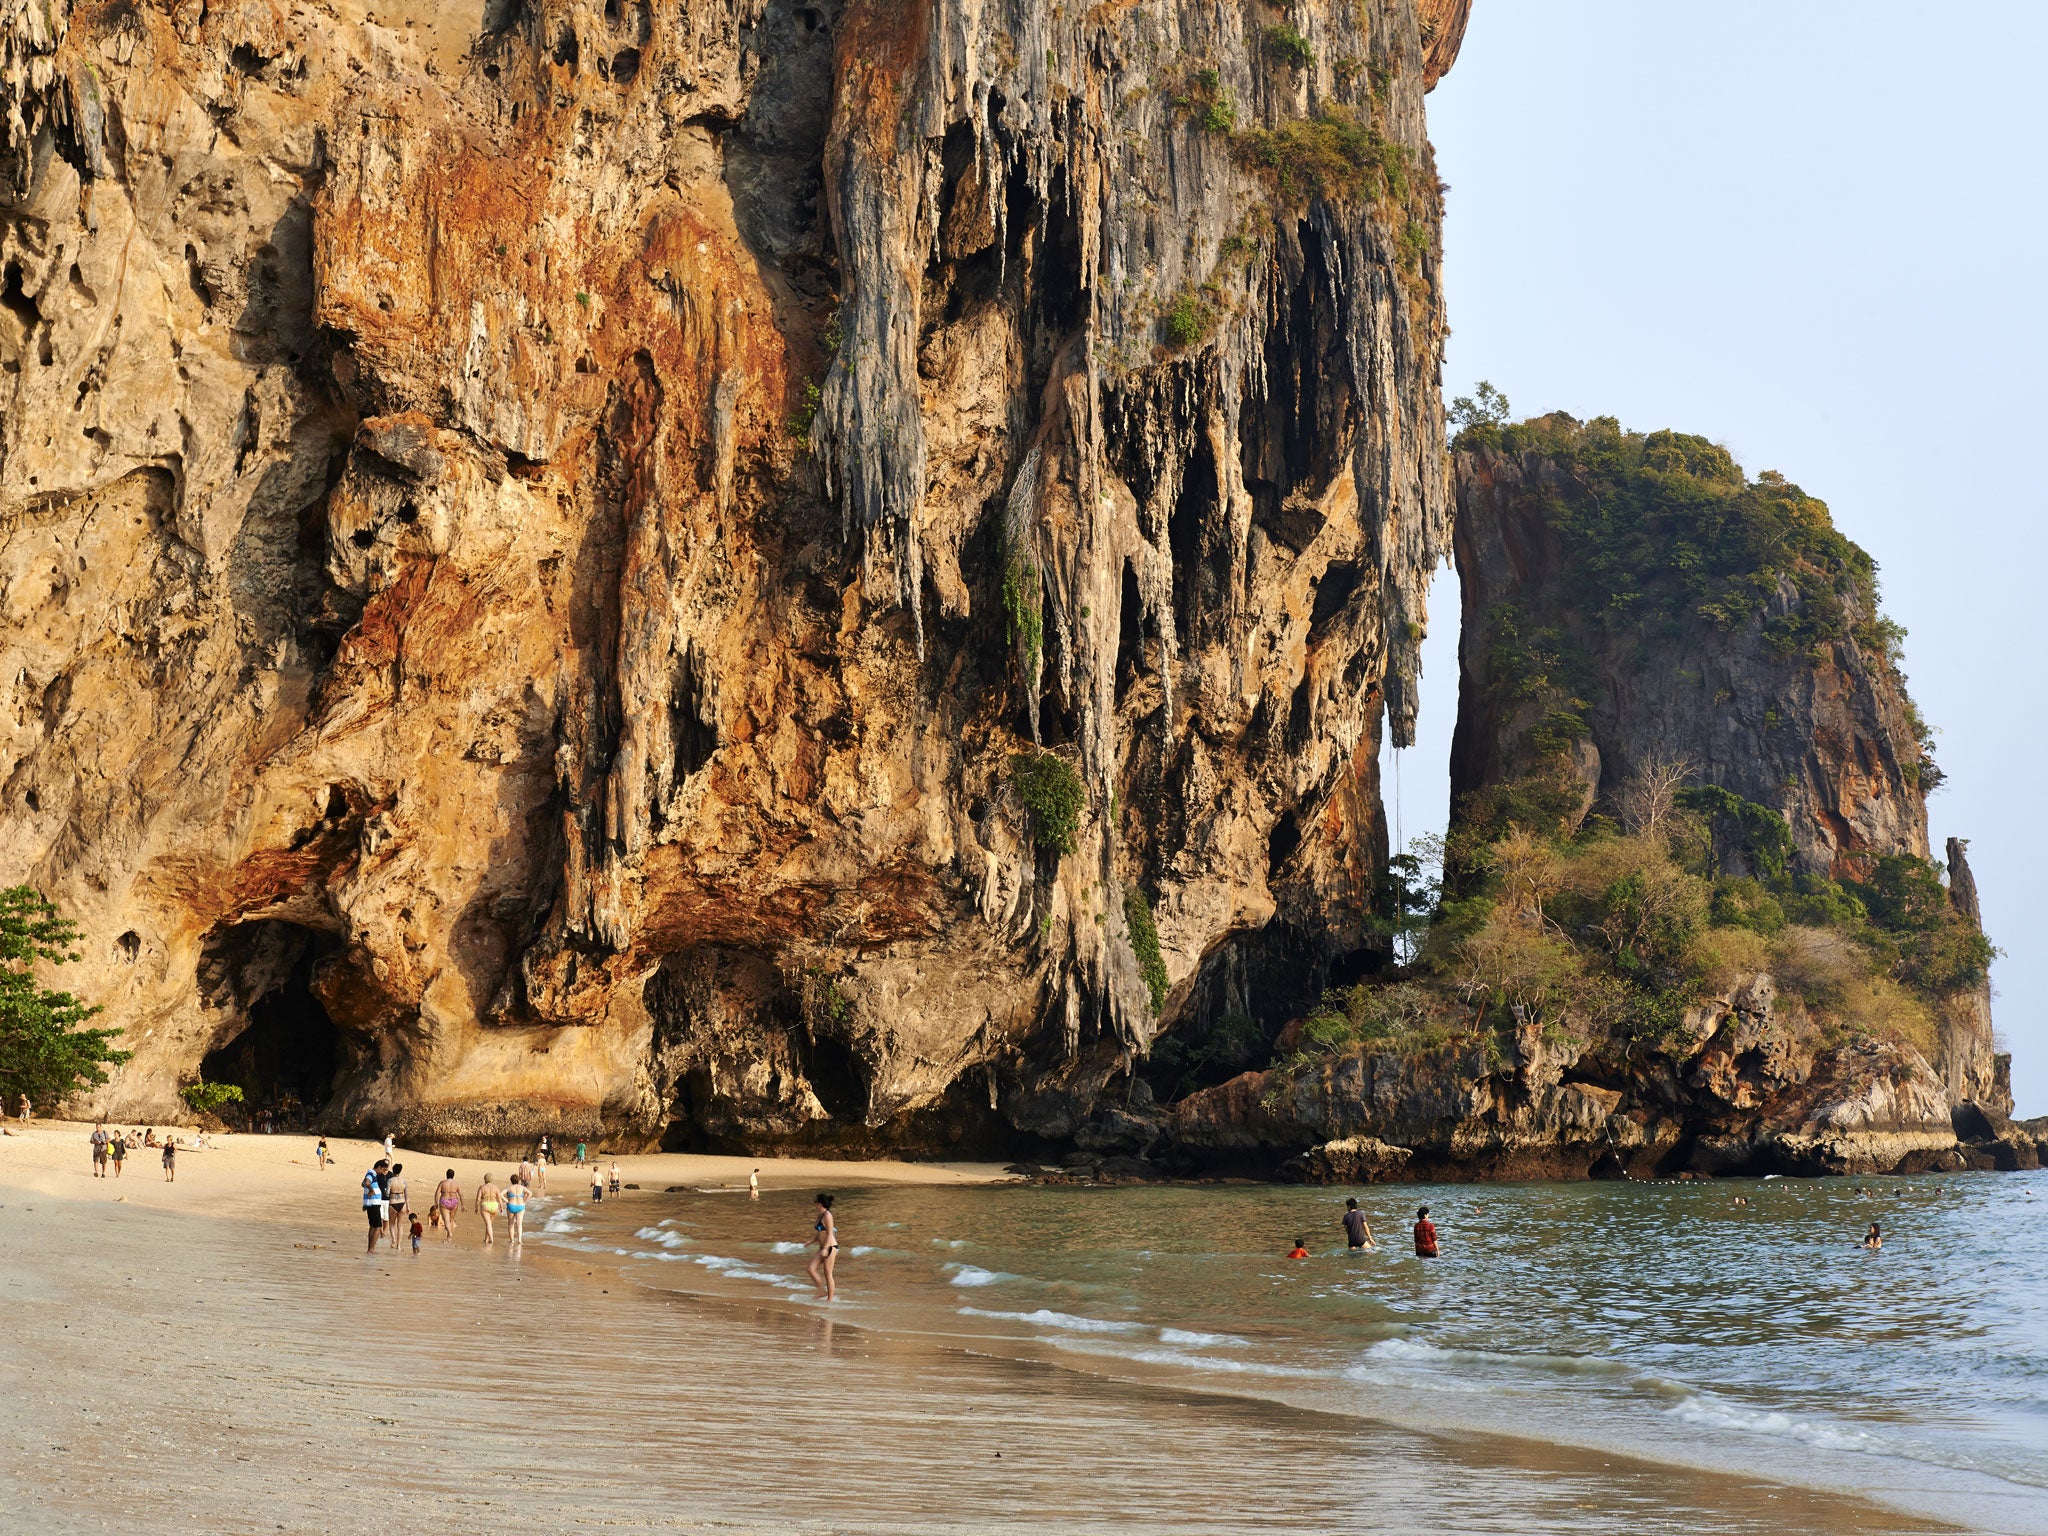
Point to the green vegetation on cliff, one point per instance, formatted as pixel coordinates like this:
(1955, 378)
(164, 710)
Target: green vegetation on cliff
(1661, 528)
(1616, 931)
(1053, 798)
(1145, 945)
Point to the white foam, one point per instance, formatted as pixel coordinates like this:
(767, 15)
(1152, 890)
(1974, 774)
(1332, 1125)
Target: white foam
(1047, 1318)
(786, 1248)
(666, 1239)
(948, 1242)
(1189, 1338)
(1772, 1422)
(740, 1269)
(1216, 1363)
(860, 1251)
(969, 1274)
(1424, 1351)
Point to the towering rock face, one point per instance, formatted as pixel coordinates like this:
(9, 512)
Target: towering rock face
(1693, 928)
(1631, 601)
(532, 542)
(1634, 602)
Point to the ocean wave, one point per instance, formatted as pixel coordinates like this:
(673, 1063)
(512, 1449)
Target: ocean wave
(969, 1274)
(1189, 1337)
(788, 1248)
(740, 1269)
(1216, 1364)
(666, 1239)
(1570, 1365)
(1695, 1409)
(947, 1242)
(1048, 1318)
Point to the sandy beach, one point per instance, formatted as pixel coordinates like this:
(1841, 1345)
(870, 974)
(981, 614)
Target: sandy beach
(219, 1355)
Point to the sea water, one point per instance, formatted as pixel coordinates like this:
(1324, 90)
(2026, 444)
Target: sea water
(1735, 1325)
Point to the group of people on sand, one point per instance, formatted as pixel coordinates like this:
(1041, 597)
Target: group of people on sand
(1358, 1233)
(392, 1217)
(110, 1150)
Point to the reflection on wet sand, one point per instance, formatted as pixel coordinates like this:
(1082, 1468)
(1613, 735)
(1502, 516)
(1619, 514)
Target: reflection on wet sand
(226, 1375)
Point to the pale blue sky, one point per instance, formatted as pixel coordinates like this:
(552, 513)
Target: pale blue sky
(1810, 230)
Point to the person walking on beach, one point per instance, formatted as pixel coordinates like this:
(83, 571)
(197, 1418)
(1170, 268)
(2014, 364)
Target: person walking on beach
(170, 1160)
(373, 1201)
(320, 1154)
(596, 1183)
(448, 1203)
(543, 1157)
(754, 1185)
(1357, 1230)
(487, 1203)
(515, 1211)
(400, 1203)
(418, 1232)
(581, 1149)
(387, 1146)
(614, 1176)
(28, 1110)
(117, 1149)
(1425, 1235)
(826, 1235)
(100, 1138)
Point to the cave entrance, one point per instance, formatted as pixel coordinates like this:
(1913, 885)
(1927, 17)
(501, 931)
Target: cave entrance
(286, 1057)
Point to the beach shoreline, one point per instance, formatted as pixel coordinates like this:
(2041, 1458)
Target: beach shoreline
(278, 1408)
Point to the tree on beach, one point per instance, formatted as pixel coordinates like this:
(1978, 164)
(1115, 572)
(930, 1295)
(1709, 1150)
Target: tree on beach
(45, 1050)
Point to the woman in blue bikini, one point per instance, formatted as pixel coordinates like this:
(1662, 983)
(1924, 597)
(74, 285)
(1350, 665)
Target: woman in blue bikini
(515, 1210)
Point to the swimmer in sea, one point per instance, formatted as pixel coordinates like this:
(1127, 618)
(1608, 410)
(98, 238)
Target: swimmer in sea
(1425, 1235)
(826, 1235)
(1873, 1239)
(1299, 1250)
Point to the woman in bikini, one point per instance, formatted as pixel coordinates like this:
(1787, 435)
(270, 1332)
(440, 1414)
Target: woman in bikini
(487, 1207)
(515, 1210)
(448, 1204)
(826, 1235)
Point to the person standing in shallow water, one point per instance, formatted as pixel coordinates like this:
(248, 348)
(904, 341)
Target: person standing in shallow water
(1873, 1239)
(596, 1184)
(487, 1207)
(515, 1211)
(448, 1203)
(826, 1235)
(373, 1201)
(400, 1201)
(754, 1185)
(1425, 1235)
(1357, 1230)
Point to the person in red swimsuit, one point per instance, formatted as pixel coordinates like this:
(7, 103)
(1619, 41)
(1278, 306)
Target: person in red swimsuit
(1300, 1250)
(1425, 1235)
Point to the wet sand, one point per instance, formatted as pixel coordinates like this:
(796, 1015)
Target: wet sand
(220, 1356)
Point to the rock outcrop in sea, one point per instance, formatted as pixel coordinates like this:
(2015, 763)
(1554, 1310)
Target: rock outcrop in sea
(772, 573)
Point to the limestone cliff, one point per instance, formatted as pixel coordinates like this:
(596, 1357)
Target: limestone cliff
(1689, 922)
(534, 535)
